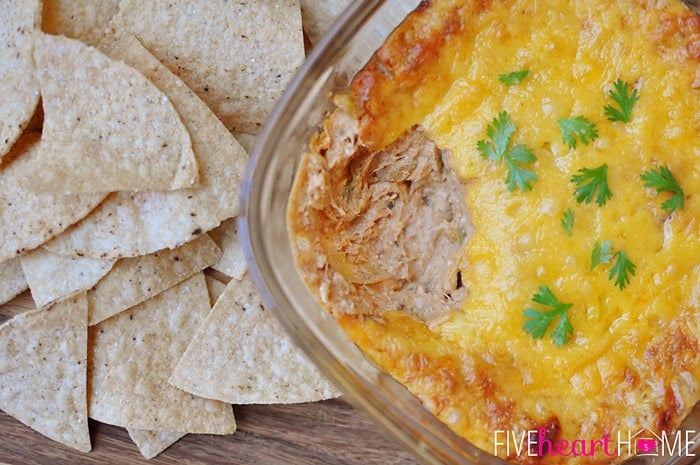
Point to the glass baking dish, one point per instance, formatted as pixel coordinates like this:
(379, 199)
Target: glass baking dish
(360, 30)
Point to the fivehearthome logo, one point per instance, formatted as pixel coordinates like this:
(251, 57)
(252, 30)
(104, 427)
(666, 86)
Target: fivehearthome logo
(537, 443)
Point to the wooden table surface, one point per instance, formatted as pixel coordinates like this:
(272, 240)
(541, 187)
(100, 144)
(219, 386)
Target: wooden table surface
(329, 432)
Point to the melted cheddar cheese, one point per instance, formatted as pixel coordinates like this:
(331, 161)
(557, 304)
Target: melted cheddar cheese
(633, 360)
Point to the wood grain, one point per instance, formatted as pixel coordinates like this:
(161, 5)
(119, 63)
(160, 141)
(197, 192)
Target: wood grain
(330, 432)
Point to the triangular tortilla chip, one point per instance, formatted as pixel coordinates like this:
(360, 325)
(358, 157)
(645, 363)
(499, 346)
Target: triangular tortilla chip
(152, 443)
(106, 127)
(319, 15)
(232, 262)
(242, 355)
(19, 87)
(52, 277)
(28, 219)
(85, 20)
(128, 225)
(237, 57)
(12, 280)
(131, 356)
(133, 280)
(42, 371)
(247, 141)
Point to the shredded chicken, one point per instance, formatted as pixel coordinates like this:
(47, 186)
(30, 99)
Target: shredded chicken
(387, 228)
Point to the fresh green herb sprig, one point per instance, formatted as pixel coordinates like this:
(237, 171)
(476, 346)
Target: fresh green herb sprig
(622, 268)
(662, 180)
(538, 321)
(575, 129)
(592, 182)
(500, 132)
(567, 221)
(514, 78)
(625, 101)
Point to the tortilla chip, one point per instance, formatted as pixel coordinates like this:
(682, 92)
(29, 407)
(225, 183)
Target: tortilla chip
(27, 219)
(128, 225)
(152, 443)
(215, 288)
(19, 87)
(238, 57)
(85, 20)
(232, 262)
(242, 355)
(42, 371)
(52, 277)
(318, 16)
(131, 356)
(106, 127)
(12, 280)
(133, 280)
(247, 141)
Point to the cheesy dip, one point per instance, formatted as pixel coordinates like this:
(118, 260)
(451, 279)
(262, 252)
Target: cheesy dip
(503, 214)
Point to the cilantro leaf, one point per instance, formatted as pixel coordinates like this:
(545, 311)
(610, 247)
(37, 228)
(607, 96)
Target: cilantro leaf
(592, 182)
(578, 126)
(622, 269)
(563, 331)
(488, 152)
(514, 78)
(663, 181)
(517, 175)
(538, 321)
(602, 253)
(567, 221)
(500, 131)
(625, 102)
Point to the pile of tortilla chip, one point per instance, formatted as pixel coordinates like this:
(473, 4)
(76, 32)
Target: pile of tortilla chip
(121, 163)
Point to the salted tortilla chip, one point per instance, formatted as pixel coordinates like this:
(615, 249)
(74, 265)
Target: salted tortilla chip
(12, 280)
(131, 356)
(152, 443)
(242, 355)
(19, 88)
(128, 225)
(85, 20)
(238, 57)
(133, 280)
(318, 16)
(232, 262)
(215, 288)
(247, 141)
(28, 219)
(43, 371)
(106, 127)
(52, 277)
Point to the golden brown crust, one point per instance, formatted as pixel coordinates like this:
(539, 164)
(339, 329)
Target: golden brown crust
(398, 68)
(678, 37)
